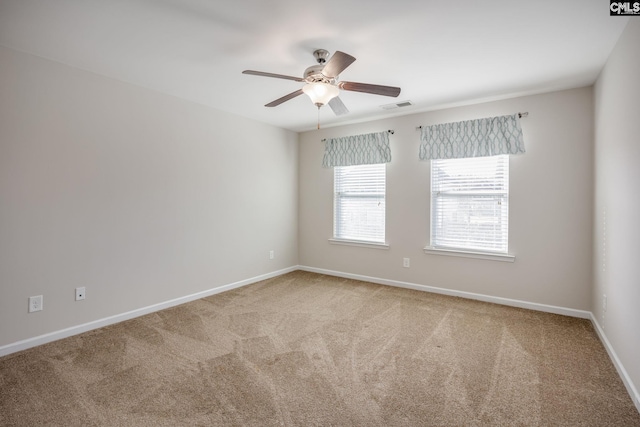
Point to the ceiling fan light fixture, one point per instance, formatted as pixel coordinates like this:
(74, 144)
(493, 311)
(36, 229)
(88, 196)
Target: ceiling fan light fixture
(320, 93)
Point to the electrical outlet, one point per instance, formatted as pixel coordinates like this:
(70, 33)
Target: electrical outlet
(406, 262)
(35, 303)
(80, 294)
(272, 254)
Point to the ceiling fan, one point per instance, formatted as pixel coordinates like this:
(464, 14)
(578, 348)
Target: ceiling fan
(322, 84)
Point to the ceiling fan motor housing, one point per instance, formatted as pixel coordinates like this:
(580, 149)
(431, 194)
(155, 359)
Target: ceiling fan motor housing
(314, 74)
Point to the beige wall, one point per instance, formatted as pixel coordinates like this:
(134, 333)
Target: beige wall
(138, 196)
(617, 202)
(550, 206)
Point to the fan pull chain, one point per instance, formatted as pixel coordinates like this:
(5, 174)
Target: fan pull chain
(318, 116)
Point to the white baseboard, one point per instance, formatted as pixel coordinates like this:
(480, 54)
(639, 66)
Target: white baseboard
(74, 330)
(582, 314)
(631, 388)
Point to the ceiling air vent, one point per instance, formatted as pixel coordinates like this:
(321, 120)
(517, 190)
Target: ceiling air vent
(396, 105)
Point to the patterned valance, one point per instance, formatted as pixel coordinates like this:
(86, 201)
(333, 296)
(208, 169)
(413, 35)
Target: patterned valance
(367, 149)
(472, 138)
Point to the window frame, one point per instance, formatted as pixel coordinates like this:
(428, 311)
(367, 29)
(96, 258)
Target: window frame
(469, 251)
(341, 236)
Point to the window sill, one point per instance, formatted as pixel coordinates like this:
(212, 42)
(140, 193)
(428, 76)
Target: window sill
(360, 243)
(470, 254)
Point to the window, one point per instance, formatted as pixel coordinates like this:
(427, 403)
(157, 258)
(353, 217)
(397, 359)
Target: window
(470, 204)
(359, 203)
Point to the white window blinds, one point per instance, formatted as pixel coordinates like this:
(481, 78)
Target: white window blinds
(359, 203)
(470, 203)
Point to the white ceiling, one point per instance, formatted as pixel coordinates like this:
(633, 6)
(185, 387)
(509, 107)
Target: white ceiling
(439, 52)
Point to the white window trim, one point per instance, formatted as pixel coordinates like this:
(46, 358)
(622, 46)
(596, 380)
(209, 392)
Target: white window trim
(354, 238)
(469, 254)
(462, 251)
(360, 243)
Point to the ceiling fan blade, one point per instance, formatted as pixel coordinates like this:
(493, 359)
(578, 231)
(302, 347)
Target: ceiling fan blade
(337, 106)
(368, 88)
(284, 98)
(277, 76)
(337, 63)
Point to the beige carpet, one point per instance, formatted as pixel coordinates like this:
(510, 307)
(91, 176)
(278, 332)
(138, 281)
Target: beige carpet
(305, 349)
